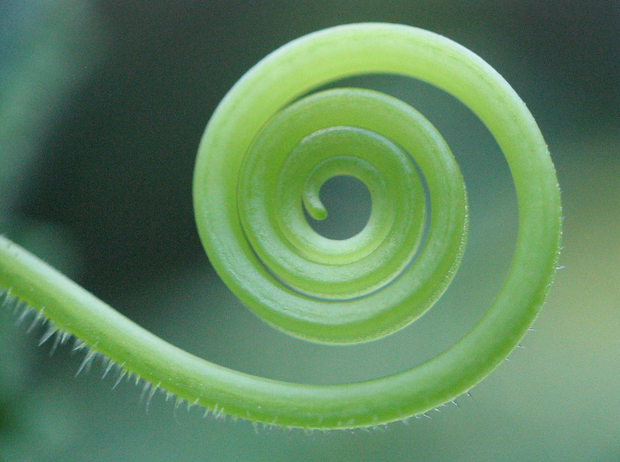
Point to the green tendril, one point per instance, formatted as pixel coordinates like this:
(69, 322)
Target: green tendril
(264, 156)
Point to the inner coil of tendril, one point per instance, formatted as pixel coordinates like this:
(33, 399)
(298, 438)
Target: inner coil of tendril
(378, 140)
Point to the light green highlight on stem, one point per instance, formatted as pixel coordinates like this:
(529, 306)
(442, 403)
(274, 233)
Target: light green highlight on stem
(272, 84)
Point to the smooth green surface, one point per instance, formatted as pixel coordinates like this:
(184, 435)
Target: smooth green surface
(359, 49)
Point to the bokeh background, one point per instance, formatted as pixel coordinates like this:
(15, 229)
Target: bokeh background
(102, 105)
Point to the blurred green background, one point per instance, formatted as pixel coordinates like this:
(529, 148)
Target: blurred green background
(102, 105)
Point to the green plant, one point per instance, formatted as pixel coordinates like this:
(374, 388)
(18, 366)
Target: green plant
(250, 218)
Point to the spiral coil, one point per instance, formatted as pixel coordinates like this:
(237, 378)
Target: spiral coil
(262, 161)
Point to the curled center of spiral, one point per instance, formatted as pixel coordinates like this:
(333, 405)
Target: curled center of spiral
(296, 254)
(347, 206)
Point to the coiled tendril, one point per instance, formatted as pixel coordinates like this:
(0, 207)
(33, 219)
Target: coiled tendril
(261, 163)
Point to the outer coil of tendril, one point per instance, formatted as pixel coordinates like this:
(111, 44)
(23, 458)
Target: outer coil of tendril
(248, 204)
